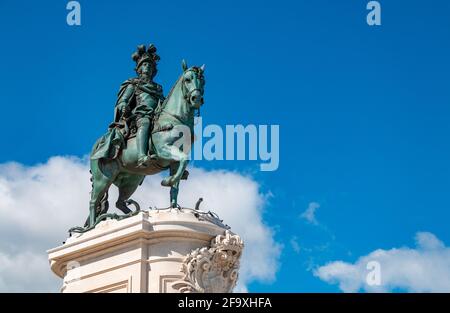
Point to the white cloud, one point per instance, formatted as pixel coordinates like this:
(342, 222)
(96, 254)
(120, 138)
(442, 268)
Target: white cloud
(295, 245)
(425, 268)
(38, 204)
(310, 213)
(26, 271)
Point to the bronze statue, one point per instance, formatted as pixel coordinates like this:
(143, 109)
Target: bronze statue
(143, 138)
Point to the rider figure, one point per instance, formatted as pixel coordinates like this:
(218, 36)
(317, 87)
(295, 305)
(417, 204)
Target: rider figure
(138, 99)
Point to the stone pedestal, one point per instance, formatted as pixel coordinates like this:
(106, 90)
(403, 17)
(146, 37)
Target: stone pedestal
(173, 250)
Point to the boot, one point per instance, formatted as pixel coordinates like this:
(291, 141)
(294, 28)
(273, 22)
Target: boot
(152, 155)
(142, 142)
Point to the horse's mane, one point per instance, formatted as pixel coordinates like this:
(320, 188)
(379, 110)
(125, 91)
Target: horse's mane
(163, 105)
(171, 92)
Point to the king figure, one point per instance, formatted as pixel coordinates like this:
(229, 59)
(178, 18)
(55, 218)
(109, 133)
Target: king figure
(138, 98)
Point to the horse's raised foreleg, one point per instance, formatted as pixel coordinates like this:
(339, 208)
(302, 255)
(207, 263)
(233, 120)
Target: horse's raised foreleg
(175, 154)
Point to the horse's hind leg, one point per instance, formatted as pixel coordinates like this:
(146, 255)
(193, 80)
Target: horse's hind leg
(102, 207)
(99, 190)
(100, 186)
(127, 185)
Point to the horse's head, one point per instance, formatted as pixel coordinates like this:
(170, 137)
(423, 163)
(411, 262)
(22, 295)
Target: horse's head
(193, 82)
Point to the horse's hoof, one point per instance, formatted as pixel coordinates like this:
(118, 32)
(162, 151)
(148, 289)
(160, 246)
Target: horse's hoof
(185, 175)
(167, 182)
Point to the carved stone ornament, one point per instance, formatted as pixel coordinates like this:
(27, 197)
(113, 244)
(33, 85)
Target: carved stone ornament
(214, 269)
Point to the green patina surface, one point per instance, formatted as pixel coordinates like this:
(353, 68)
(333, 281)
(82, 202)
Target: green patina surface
(145, 136)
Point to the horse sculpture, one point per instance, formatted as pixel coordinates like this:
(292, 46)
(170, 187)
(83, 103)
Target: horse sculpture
(173, 124)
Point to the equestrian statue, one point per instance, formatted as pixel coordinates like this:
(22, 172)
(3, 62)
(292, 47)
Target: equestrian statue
(150, 133)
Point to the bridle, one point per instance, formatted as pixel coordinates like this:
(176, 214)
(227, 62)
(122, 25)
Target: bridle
(187, 94)
(187, 97)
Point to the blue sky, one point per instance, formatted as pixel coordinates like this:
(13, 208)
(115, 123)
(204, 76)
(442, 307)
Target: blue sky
(364, 112)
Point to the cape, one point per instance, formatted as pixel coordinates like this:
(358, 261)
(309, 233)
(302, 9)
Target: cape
(109, 145)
